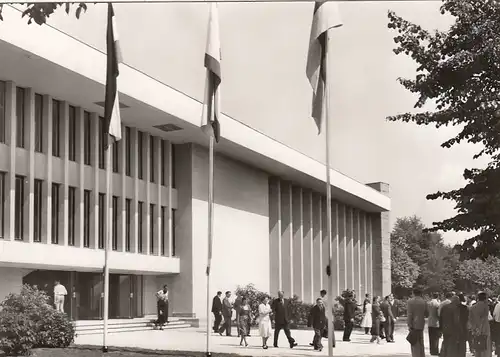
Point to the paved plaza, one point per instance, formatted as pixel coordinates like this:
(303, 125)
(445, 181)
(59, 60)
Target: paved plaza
(194, 339)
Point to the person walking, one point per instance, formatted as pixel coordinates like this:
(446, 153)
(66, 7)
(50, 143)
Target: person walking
(317, 320)
(417, 310)
(480, 326)
(162, 307)
(453, 322)
(367, 323)
(386, 309)
(217, 310)
(376, 319)
(326, 304)
(227, 313)
(265, 321)
(281, 309)
(433, 325)
(350, 308)
(244, 314)
(395, 314)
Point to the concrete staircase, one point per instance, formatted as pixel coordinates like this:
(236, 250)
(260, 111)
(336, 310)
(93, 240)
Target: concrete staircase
(93, 327)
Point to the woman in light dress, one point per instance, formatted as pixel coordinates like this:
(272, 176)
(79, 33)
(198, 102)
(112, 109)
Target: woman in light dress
(366, 323)
(265, 321)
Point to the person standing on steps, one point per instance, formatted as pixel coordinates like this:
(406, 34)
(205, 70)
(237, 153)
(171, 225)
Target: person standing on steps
(60, 293)
(280, 309)
(217, 310)
(162, 306)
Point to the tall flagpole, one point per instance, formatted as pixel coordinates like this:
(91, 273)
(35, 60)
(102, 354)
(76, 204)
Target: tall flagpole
(328, 201)
(210, 233)
(106, 248)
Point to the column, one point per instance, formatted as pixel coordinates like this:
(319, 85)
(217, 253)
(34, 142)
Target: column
(159, 202)
(308, 248)
(147, 180)
(134, 162)
(63, 212)
(325, 249)
(94, 196)
(122, 200)
(298, 242)
(369, 254)
(335, 271)
(342, 247)
(80, 149)
(317, 244)
(356, 253)
(349, 249)
(275, 235)
(362, 255)
(286, 238)
(47, 184)
(29, 112)
(170, 175)
(10, 184)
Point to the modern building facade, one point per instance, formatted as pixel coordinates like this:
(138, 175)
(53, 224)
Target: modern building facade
(270, 205)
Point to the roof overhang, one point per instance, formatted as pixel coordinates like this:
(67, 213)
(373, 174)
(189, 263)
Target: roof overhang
(54, 63)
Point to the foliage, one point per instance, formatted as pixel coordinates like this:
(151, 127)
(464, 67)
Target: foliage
(40, 12)
(475, 275)
(458, 73)
(404, 271)
(28, 321)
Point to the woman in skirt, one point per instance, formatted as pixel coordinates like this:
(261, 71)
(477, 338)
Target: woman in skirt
(366, 323)
(244, 315)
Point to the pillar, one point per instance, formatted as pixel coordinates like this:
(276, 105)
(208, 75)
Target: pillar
(342, 247)
(286, 238)
(317, 231)
(298, 242)
(275, 235)
(308, 255)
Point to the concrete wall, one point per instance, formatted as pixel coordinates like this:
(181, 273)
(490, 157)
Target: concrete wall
(241, 228)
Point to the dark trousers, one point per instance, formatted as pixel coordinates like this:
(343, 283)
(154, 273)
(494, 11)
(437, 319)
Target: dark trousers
(277, 328)
(218, 319)
(162, 307)
(226, 326)
(390, 329)
(434, 336)
(348, 330)
(382, 330)
(318, 334)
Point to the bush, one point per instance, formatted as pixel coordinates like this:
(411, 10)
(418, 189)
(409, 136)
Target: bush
(299, 310)
(27, 321)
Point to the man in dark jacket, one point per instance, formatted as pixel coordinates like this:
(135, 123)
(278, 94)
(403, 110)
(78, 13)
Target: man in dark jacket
(388, 325)
(217, 310)
(350, 307)
(227, 313)
(280, 309)
(318, 321)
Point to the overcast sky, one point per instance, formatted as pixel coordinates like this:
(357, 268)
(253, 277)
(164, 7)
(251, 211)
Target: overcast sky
(264, 50)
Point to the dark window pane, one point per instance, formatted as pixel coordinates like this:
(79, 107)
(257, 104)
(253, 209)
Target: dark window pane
(86, 218)
(140, 155)
(87, 127)
(71, 215)
(55, 213)
(3, 93)
(128, 212)
(114, 244)
(140, 215)
(38, 123)
(173, 233)
(152, 162)
(56, 128)
(116, 158)
(128, 151)
(163, 229)
(152, 228)
(101, 142)
(72, 133)
(20, 117)
(37, 200)
(172, 157)
(19, 209)
(2, 204)
(102, 217)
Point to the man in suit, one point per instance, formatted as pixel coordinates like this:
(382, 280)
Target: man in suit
(388, 325)
(350, 308)
(280, 309)
(417, 310)
(227, 313)
(433, 325)
(317, 320)
(236, 307)
(395, 314)
(217, 310)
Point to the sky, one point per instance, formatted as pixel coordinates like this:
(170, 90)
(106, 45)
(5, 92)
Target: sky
(264, 52)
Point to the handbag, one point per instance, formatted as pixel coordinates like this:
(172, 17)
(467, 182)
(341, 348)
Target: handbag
(382, 318)
(480, 343)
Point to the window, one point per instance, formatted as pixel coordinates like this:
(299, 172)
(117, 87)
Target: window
(86, 218)
(38, 123)
(152, 162)
(139, 154)
(37, 228)
(139, 226)
(72, 133)
(128, 152)
(55, 213)
(19, 208)
(163, 156)
(3, 90)
(87, 142)
(71, 215)
(116, 157)
(56, 128)
(20, 117)
(2, 204)
(102, 217)
(163, 228)
(172, 158)
(101, 142)
(128, 204)
(173, 233)
(152, 228)
(114, 243)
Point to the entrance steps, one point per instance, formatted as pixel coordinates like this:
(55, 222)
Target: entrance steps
(93, 327)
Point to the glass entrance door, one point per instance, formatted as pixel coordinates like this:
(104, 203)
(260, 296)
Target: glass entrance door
(120, 296)
(89, 292)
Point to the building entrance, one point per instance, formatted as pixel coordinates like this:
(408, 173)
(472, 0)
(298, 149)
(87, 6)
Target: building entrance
(85, 299)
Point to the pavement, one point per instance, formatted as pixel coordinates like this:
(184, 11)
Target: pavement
(194, 339)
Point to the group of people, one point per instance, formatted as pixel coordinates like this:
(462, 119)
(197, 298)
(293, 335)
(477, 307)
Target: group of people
(458, 320)
(379, 317)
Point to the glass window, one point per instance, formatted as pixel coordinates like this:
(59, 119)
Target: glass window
(3, 93)
(87, 128)
(56, 128)
(38, 123)
(114, 244)
(2, 204)
(55, 213)
(128, 152)
(152, 228)
(20, 117)
(19, 209)
(173, 232)
(86, 218)
(37, 228)
(140, 215)
(164, 231)
(102, 217)
(152, 163)
(71, 215)
(140, 156)
(72, 133)
(101, 142)
(128, 212)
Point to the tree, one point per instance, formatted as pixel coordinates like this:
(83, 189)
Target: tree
(404, 272)
(476, 274)
(459, 73)
(40, 12)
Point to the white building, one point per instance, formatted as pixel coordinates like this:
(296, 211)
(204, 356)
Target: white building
(270, 213)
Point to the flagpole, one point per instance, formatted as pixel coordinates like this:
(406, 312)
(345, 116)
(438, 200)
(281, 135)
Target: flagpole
(106, 249)
(329, 202)
(210, 233)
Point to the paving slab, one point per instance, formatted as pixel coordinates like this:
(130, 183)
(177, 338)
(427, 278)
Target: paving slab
(194, 339)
